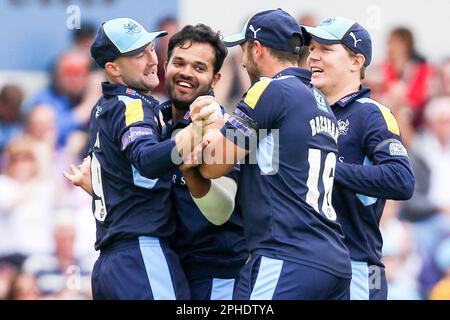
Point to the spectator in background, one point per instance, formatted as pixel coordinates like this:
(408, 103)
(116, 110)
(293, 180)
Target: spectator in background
(307, 19)
(406, 75)
(7, 274)
(441, 81)
(429, 208)
(169, 24)
(430, 156)
(41, 128)
(72, 93)
(24, 287)
(400, 255)
(41, 125)
(310, 21)
(11, 97)
(27, 201)
(84, 37)
(234, 81)
(9, 268)
(61, 275)
(441, 291)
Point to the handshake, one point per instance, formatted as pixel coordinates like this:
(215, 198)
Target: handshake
(206, 109)
(207, 119)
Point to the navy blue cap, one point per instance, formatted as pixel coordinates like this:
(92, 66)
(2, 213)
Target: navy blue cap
(344, 31)
(121, 37)
(272, 28)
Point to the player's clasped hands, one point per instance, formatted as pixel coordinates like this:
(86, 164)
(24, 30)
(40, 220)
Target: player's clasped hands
(206, 113)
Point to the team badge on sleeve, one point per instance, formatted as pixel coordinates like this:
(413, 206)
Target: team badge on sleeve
(133, 134)
(320, 100)
(397, 149)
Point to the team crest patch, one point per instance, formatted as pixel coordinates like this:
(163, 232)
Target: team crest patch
(133, 134)
(343, 126)
(397, 149)
(132, 28)
(98, 110)
(327, 22)
(320, 100)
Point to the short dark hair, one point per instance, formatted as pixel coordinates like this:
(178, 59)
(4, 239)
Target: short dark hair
(166, 20)
(293, 56)
(86, 30)
(405, 35)
(202, 34)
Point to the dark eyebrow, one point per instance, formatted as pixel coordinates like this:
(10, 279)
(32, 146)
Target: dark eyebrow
(178, 59)
(196, 63)
(201, 64)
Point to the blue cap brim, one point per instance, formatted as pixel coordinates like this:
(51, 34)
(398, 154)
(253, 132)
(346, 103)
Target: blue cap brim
(234, 40)
(143, 42)
(322, 36)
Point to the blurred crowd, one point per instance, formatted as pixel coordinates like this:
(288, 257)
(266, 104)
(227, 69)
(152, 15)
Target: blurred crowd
(47, 231)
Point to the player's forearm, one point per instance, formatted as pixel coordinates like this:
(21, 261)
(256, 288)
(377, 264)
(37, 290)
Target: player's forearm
(217, 204)
(187, 138)
(387, 181)
(153, 161)
(198, 186)
(214, 171)
(220, 156)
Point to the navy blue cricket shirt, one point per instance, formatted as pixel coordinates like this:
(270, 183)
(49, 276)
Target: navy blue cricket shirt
(285, 184)
(130, 168)
(205, 250)
(372, 166)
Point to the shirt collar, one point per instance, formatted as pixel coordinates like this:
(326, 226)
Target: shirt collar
(166, 111)
(117, 89)
(345, 101)
(303, 74)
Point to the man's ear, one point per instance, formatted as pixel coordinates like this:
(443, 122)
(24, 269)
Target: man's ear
(258, 49)
(358, 62)
(216, 79)
(113, 69)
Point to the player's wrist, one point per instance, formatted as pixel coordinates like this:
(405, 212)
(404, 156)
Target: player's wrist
(184, 140)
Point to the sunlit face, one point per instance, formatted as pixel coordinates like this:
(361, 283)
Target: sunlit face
(445, 71)
(72, 73)
(41, 123)
(64, 241)
(397, 48)
(248, 62)
(22, 166)
(140, 71)
(330, 65)
(190, 73)
(440, 126)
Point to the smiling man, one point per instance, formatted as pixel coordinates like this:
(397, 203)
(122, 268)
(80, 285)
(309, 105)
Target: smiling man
(212, 255)
(373, 164)
(130, 172)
